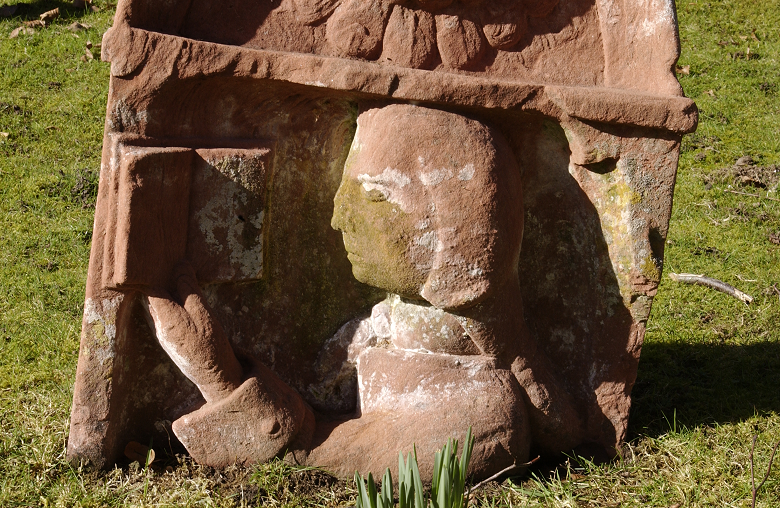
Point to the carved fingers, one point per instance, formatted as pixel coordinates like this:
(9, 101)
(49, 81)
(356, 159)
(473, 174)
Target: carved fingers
(192, 338)
(310, 12)
(407, 34)
(410, 39)
(357, 27)
(459, 40)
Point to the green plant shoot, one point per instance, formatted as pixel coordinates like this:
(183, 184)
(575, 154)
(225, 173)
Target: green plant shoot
(447, 488)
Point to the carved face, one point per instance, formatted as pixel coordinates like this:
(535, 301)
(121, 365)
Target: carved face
(377, 228)
(429, 205)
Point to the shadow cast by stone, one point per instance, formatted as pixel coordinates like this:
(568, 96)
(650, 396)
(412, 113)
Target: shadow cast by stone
(703, 384)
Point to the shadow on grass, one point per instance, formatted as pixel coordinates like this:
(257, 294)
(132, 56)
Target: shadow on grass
(697, 384)
(31, 10)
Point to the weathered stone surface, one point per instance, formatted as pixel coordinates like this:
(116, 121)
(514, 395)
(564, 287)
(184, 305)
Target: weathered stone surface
(409, 39)
(357, 28)
(408, 397)
(259, 420)
(500, 177)
(504, 23)
(460, 42)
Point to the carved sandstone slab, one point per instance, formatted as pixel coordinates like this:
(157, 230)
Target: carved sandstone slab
(331, 229)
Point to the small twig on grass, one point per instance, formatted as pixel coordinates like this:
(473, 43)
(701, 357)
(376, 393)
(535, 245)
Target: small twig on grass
(768, 469)
(701, 280)
(752, 195)
(499, 474)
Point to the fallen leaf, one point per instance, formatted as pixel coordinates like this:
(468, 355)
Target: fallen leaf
(88, 55)
(745, 160)
(685, 69)
(69, 70)
(136, 451)
(775, 239)
(49, 16)
(4, 135)
(21, 30)
(89, 44)
(36, 23)
(54, 85)
(52, 128)
(77, 27)
(6, 11)
(753, 35)
(711, 93)
(743, 37)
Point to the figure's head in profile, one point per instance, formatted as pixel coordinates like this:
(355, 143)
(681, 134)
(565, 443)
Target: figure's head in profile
(430, 206)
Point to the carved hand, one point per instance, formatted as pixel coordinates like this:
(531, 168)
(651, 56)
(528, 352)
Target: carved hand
(191, 336)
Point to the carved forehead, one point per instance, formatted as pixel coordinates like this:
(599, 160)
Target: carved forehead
(424, 159)
(414, 139)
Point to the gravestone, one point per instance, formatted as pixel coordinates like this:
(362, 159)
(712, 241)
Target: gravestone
(327, 230)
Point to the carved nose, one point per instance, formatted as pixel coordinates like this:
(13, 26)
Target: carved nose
(340, 211)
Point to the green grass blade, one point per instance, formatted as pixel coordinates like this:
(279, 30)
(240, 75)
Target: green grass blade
(406, 483)
(443, 495)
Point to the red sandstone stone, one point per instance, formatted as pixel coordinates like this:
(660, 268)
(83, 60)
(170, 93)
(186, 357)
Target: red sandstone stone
(504, 170)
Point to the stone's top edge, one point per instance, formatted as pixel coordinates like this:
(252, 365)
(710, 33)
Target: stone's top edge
(129, 49)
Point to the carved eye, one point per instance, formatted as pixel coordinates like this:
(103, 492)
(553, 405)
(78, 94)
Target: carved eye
(375, 195)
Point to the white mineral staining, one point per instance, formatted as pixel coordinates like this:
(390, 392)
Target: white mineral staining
(222, 231)
(435, 177)
(475, 271)
(376, 393)
(467, 173)
(661, 15)
(388, 177)
(101, 319)
(389, 183)
(430, 241)
(609, 11)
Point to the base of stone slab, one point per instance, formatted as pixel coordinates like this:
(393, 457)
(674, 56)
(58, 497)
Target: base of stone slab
(261, 419)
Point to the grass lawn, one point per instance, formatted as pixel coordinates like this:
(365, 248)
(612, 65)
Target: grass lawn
(709, 378)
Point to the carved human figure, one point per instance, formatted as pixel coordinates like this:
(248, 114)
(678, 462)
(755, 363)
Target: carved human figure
(430, 209)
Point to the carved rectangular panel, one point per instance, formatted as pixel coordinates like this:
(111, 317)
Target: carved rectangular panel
(205, 205)
(149, 206)
(226, 234)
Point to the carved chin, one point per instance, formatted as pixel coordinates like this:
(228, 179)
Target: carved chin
(359, 270)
